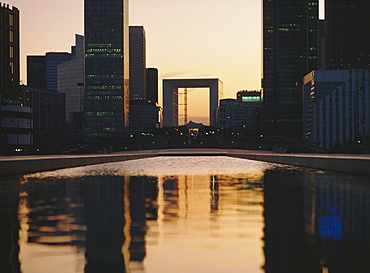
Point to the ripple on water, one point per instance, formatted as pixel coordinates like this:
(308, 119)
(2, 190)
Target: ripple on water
(161, 166)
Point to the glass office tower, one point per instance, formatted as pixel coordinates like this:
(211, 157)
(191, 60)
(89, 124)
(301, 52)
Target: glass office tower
(290, 50)
(347, 41)
(106, 97)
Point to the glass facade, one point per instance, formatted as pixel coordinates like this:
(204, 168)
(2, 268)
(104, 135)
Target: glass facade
(106, 96)
(347, 45)
(290, 50)
(48, 110)
(42, 71)
(53, 59)
(336, 107)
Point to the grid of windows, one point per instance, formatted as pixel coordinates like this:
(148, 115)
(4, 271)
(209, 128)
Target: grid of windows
(106, 67)
(290, 50)
(9, 51)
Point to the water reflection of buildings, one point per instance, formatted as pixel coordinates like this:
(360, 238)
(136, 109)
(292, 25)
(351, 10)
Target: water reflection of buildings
(286, 250)
(102, 217)
(143, 191)
(52, 214)
(116, 211)
(105, 204)
(340, 207)
(9, 226)
(316, 222)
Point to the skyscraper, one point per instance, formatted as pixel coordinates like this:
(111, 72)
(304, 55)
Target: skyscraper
(290, 51)
(137, 63)
(9, 51)
(106, 98)
(152, 84)
(347, 40)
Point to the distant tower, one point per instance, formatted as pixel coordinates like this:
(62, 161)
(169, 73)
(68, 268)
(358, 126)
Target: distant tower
(290, 51)
(347, 41)
(36, 72)
(152, 84)
(106, 98)
(71, 82)
(9, 51)
(42, 70)
(137, 63)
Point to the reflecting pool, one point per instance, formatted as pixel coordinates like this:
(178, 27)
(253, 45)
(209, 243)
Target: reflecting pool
(185, 215)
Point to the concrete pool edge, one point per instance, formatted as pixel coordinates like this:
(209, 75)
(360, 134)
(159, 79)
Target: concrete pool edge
(356, 164)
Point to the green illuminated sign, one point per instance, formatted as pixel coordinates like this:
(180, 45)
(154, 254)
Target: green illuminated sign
(251, 99)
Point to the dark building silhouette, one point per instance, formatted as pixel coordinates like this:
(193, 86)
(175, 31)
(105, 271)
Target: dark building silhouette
(9, 225)
(145, 116)
(15, 120)
(137, 63)
(142, 195)
(152, 84)
(322, 45)
(9, 51)
(138, 218)
(290, 51)
(347, 42)
(42, 71)
(106, 98)
(48, 114)
(36, 72)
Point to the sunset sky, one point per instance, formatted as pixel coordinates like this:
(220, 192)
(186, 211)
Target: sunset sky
(185, 39)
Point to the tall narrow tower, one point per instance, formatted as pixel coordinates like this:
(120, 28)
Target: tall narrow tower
(9, 51)
(106, 97)
(137, 63)
(290, 51)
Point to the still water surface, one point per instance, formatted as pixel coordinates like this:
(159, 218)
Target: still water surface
(185, 215)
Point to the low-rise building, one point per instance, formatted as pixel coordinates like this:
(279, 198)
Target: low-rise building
(48, 113)
(336, 107)
(16, 128)
(241, 115)
(145, 116)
